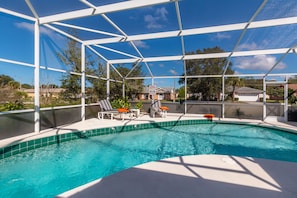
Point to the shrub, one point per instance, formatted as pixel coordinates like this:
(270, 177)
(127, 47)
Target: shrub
(10, 106)
(138, 105)
(120, 103)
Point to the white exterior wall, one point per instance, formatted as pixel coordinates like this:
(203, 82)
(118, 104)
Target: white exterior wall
(253, 98)
(160, 97)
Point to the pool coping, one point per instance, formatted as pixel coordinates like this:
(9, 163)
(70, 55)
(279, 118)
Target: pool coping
(23, 146)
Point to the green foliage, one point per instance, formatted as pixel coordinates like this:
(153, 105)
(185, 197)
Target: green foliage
(210, 88)
(14, 84)
(71, 83)
(253, 82)
(293, 80)
(27, 86)
(138, 105)
(275, 92)
(291, 97)
(11, 99)
(71, 57)
(4, 80)
(182, 93)
(21, 95)
(234, 82)
(132, 87)
(120, 103)
(10, 106)
(72, 86)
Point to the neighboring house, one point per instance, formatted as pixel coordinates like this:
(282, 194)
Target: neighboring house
(293, 87)
(249, 94)
(44, 92)
(161, 94)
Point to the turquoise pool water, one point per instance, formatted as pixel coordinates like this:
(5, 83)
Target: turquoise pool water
(51, 170)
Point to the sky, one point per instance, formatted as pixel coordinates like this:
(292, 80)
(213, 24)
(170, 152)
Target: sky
(17, 38)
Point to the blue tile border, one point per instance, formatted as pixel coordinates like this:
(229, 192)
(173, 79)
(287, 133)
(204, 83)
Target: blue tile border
(57, 139)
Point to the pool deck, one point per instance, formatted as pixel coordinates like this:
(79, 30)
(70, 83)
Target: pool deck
(197, 176)
(185, 176)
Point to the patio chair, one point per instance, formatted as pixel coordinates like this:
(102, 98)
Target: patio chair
(106, 109)
(157, 108)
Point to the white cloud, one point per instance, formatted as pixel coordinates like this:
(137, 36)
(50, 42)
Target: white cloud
(154, 20)
(141, 44)
(221, 36)
(162, 13)
(246, 46)
(258, 62)
(172, 71)
(43, 30)
(26, 26)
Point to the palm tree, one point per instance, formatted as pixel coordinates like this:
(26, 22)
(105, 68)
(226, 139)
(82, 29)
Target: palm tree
(235, 82)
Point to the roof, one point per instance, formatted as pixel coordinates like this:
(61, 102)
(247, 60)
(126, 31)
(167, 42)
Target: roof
(247, 90)
(158, 90)
(292, 86)
(157, 34)
(51, 90)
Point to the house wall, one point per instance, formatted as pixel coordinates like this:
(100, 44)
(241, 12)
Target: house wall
(250, 97)
(245, 97)
(159, 96)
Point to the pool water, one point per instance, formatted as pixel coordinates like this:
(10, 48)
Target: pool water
(51, 170)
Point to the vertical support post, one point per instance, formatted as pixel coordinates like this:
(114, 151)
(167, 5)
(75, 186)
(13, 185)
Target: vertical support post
(107, 81)
(83, 83)
(174, 91)
(264, 99)
(223, 97)
(123, 89)
(36, 77)
(286, 100)
(186, 88)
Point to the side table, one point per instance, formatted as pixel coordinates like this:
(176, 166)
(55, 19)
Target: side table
(135, 112)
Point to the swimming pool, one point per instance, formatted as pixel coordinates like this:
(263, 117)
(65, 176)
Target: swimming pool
(51, 170)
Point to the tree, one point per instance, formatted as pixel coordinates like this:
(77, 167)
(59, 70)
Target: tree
(27, 86)
(253, 82)
(209, 88)
(13, 84)
(276, 92)
(132, 87)
(98, 89)
(235, 82)
(4, 80)
(182, 93)
(293, 80)
(11, 98)
(71, 57)
(291, 97)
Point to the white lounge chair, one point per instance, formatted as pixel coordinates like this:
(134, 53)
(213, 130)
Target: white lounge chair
(106, 109)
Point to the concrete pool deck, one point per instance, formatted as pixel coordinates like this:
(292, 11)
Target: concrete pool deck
(197, 176)
(187, 176)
